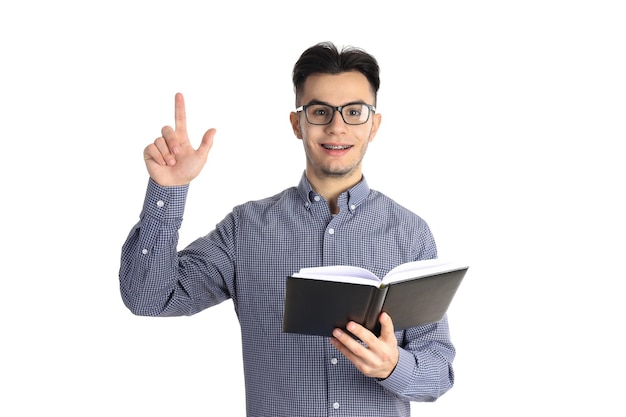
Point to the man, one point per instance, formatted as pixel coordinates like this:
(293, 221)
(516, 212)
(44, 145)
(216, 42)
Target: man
(330, 217)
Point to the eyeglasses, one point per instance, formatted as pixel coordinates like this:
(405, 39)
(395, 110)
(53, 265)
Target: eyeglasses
(352, 113)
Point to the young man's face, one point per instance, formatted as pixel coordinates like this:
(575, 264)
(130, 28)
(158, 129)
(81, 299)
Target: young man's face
(336, 149)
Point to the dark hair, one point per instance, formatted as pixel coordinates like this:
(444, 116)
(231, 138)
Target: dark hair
(325, 58)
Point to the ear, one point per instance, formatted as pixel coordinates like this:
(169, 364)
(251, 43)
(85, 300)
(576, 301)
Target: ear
(294, 118)
(376, 120)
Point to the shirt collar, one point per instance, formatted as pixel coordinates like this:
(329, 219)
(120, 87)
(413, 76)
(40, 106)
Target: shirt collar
(354, 196)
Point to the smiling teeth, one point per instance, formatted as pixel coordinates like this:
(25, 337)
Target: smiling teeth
(336, 147)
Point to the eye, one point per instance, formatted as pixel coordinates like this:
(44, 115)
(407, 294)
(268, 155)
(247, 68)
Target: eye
(353, 111)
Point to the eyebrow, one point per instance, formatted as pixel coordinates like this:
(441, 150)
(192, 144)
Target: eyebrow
(315, 101)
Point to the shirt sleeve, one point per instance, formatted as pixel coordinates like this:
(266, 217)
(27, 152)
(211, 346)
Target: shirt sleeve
(424, 371)
(157, 280)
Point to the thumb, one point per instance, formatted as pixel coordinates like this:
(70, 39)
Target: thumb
(207, 142)
(386, 326)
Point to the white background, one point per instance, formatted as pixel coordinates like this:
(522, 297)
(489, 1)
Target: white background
(503, 126)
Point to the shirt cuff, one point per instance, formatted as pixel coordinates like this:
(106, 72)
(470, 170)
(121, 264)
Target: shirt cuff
(164, 203)
(397, 380)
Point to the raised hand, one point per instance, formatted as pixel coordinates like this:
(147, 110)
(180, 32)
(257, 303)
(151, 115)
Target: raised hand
(171, 160)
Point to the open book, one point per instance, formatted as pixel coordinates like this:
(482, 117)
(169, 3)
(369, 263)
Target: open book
(317, 300)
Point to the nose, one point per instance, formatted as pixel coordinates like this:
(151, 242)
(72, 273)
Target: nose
(337, 124)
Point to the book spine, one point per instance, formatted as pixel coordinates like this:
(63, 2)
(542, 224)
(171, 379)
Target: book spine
(374, 310)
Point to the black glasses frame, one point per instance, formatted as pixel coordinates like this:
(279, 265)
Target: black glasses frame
(336, 109)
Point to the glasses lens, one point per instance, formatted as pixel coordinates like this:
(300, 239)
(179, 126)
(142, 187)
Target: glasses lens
(319, 114)
(355, 114)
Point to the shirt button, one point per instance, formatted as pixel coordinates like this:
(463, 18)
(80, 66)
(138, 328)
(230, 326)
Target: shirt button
(331, 231)
(160, 203)
(334, 361)
(316, 198)
(336, 406)
(144, 251)
(352, 207)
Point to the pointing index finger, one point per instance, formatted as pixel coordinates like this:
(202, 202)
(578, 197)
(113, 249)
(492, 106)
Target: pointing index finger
(180, 116)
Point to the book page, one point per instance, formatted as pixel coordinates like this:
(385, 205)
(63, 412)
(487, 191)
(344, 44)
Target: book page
(417, 269)
(358, 275)
(339, 273)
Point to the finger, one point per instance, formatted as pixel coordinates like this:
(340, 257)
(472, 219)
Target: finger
(346, 344)
(348, 338)
(180, 115)
(164, 149)
(355, 351)
(171, 138)
(152, 153)
(386, 327)
(361, 333)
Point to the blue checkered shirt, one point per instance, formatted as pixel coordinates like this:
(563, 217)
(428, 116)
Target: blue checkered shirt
(247, 258)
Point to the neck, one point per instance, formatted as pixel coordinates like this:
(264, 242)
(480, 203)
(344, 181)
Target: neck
(331, 187)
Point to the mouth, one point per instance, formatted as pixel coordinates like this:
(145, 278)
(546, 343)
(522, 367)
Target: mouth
(336, 147)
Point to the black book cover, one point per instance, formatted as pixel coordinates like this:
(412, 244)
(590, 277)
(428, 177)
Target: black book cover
(316, 307)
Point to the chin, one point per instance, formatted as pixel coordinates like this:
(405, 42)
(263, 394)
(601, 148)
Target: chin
(338, 172)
